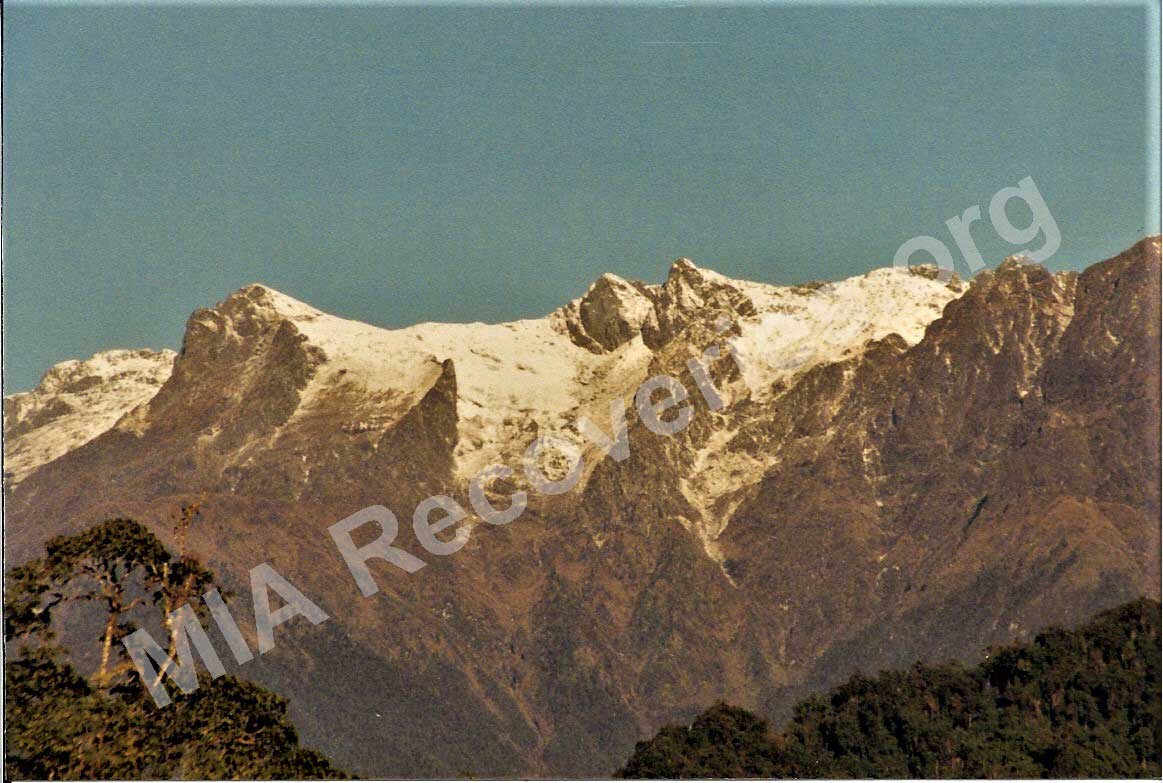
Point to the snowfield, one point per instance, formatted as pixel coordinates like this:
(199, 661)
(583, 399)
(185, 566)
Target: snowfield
(514, 380)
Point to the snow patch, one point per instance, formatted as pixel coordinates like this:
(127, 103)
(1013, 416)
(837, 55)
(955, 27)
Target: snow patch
(797, 328)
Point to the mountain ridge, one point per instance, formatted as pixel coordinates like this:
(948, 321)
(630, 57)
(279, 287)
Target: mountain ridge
(882, 483)
(656, 311)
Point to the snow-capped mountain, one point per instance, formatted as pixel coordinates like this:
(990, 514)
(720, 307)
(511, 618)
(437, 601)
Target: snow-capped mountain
(75, 402)
(512, 379)
(900, 469)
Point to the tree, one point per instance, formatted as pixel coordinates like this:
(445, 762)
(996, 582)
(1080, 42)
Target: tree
(61, 724)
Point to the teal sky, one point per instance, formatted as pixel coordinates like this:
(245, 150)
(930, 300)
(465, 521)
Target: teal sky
(403, 164)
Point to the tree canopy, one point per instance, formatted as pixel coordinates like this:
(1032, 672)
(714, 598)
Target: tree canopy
(62, 724)
(1083, 703)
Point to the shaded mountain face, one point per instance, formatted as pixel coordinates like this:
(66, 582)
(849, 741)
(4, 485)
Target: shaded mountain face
(900, 469)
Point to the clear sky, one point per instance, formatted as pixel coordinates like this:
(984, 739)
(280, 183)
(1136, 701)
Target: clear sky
(396, 164)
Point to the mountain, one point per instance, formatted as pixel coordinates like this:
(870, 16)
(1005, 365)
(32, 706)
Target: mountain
(75, 402)
(1069, 704)
(900, 469)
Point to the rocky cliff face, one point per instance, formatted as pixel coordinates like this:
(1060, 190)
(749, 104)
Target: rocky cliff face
(900, 468)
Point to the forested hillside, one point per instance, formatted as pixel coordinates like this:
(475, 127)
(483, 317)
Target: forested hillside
(1083, 703)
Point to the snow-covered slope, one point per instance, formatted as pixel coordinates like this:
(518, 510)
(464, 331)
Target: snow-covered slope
(523, 378)
(514, 380)
(801, 326)
(75, 402)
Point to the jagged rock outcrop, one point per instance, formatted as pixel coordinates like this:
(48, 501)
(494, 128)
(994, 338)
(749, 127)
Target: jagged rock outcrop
(611, 313)
(901, 468)
(615, 311)
(691, 294)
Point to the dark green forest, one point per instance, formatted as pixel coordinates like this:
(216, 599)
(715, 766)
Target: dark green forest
(1083, 703)
(61, 724)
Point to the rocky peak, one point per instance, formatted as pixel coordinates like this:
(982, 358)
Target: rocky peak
(692, 294)
(684, 268)
(263, 296)
(1112, 340)
(613, 310)
(691, 287)
(247, 312)
(244, 323)
(1015, 261)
